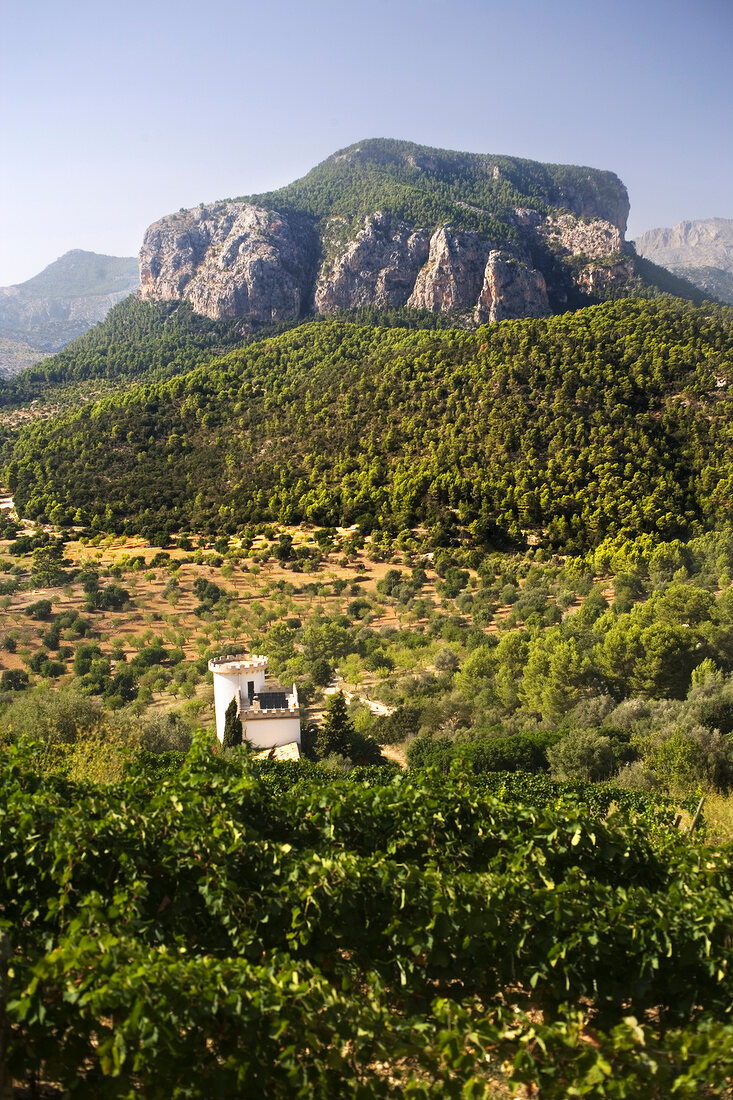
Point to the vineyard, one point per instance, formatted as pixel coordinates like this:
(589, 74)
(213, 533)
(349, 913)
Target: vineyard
(213, 928)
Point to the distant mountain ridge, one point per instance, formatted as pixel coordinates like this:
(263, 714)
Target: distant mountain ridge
(701, 251)
(43, 314)
(391, 224)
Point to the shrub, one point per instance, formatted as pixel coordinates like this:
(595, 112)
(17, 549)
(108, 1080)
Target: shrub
(582, 754)
(13, 679)
(41, 610)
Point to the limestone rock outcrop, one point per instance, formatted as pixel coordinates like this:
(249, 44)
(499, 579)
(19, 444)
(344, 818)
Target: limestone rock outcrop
(596, 241)
(595, 278)
(230, 260)
(379, 267)
(453, 275)
(593, 237)
(599, 198)
(237, 259)
(511, 289)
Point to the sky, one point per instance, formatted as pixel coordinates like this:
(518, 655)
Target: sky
(112, 115)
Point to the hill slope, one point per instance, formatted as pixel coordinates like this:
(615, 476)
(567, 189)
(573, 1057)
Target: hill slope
(136, 339)
(60, 303)
(615, 419)
(392, 224)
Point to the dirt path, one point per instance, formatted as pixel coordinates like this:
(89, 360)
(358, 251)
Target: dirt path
(372, 704)
(395, 753)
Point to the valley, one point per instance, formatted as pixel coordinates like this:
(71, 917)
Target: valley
(424, 430)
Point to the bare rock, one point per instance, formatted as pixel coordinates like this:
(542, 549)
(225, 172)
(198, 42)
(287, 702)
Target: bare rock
(596, 241)
(453, 276)
(511, 289)
(704, 243)
(229, 260)
(701, 251)
(378, 268)
(596, 278)
(594, 238)
(600, 196)
(527, 218)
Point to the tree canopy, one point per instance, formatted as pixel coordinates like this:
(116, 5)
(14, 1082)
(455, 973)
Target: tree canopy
(615, 419)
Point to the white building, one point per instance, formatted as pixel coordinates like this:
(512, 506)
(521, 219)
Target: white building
(269, 713)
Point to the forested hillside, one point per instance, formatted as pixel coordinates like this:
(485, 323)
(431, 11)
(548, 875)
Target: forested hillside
(426, 186)
(615, 419)
(136, 340)
(151, 341)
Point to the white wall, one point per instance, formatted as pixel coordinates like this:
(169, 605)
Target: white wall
(263, 733)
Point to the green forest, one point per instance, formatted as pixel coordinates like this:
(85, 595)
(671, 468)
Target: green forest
(614, 420)
(428, 187)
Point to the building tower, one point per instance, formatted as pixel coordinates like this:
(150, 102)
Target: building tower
(269, 713)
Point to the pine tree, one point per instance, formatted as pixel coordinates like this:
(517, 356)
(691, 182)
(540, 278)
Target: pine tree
(337, 730)
(232, 726)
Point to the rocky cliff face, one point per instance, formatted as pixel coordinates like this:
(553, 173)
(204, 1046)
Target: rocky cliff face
(379, 267)
(595, 238)
(511, 289)
(239, 260)
(452, 277)
(267, 260)
(230, 260)
(587, 200)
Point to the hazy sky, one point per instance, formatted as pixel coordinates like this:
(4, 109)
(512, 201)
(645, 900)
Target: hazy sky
(113, 114)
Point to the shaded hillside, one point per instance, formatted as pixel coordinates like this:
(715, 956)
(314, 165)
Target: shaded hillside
(60, 303)
(609, 420)
(713, 281)
(654, 279)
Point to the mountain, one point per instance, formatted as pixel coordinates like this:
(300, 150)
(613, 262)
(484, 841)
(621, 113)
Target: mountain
(390, 224)
(614, 419)
(45, 313)
(701, 251)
